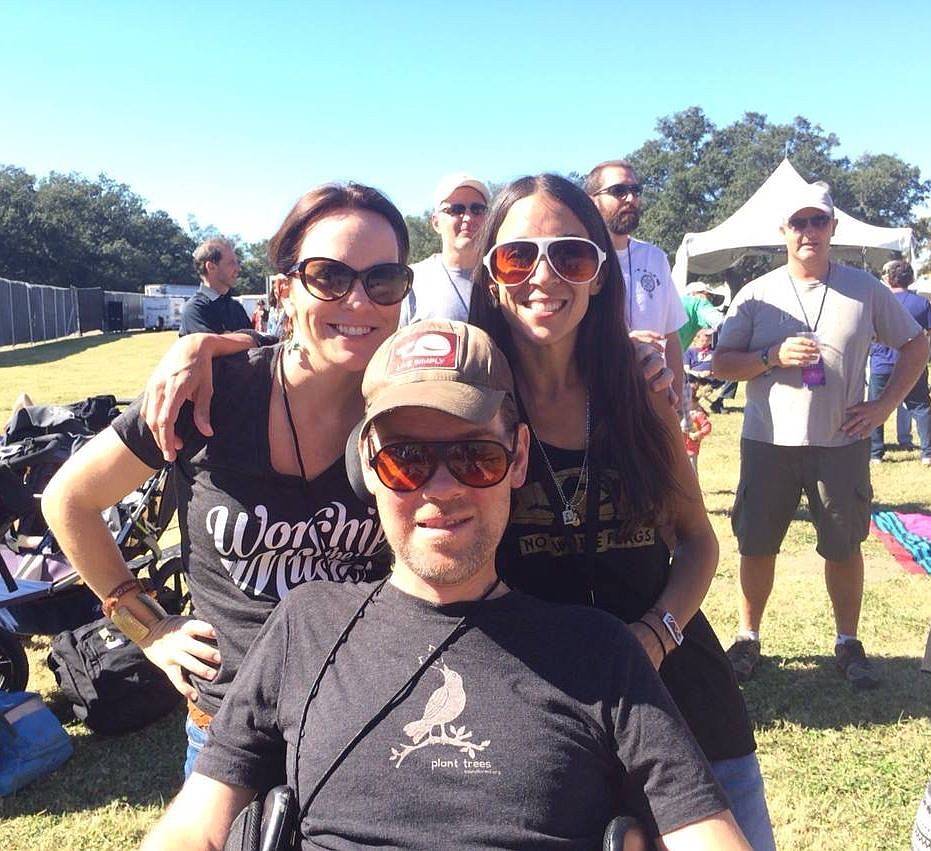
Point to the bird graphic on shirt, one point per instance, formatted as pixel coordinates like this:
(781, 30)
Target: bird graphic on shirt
(445, 705)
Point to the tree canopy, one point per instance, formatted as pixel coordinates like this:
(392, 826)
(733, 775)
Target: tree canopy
(695, 175)
(66, 230)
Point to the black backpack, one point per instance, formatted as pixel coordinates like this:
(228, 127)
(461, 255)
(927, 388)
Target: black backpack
(111, 685)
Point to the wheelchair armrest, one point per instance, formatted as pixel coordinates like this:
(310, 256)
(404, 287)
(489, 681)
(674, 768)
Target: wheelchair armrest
(624, 833)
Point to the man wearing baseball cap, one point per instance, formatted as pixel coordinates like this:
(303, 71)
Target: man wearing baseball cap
(443, 282)
(799, 336)
(438, 707)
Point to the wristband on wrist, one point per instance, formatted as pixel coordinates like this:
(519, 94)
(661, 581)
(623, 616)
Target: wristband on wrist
(135, 614)
(659, 638)
(121, 590)
(672, 625)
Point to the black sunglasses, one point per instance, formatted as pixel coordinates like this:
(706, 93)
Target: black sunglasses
(621, 190)
(410, 465)
(330, 280)
(801, 223)
(475, 209)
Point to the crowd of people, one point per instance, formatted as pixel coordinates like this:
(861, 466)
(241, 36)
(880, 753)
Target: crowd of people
(464, 477)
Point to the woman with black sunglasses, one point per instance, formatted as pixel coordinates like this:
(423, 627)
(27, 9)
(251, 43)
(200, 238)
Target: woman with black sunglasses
(264, 501)
(609, 491)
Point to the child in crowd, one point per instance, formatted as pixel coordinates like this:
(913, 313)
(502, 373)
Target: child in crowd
(698, 427)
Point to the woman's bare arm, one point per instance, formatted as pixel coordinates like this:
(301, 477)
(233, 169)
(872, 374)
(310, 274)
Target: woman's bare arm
(96, 477)
(186, 372)
(695, 552)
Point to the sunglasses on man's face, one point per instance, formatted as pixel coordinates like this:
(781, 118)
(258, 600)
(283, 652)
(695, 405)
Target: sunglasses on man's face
(331, 280)
(622, 190)
(475, 209)
(408, 466)
(574, 259)
(801, 223)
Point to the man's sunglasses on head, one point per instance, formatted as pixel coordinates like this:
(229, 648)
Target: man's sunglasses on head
(331, 280)
(621, 190)
(475, 209)
(410, 465)
(802, 223)
(574, 259)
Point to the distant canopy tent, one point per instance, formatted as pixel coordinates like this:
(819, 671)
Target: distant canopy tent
(754, 230)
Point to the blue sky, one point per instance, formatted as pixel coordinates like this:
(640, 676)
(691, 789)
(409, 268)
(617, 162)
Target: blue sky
(230, 110)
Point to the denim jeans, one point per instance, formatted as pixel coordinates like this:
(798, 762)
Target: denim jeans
(918, 406)
(196, 739)
(743, 783)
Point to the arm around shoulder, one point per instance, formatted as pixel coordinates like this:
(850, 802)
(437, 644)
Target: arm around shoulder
(199, 818)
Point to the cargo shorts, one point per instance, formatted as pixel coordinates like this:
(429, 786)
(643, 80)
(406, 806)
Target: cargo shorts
(835, 480)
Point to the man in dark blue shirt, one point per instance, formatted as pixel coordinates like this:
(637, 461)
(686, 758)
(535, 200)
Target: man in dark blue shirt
(898, 276)
(212, 309)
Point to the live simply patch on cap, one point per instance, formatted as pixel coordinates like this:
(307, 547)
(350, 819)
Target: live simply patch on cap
(428, 350)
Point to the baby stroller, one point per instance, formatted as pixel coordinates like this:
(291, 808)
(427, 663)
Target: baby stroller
(40, 593)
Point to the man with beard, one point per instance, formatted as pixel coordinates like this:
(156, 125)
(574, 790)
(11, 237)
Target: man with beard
(443, 282)
(439, 708)
(653, 307)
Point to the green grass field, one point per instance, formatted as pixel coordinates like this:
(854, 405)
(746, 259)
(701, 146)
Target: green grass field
(843, 770)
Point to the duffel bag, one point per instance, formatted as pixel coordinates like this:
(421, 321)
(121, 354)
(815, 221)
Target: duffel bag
(111, 685)
(32, 741)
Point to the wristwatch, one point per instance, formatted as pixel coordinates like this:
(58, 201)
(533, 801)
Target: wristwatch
(764, 357)
(671, 624)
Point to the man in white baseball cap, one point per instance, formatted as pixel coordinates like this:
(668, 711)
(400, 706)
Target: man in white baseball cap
(799, 336)
(443, 282)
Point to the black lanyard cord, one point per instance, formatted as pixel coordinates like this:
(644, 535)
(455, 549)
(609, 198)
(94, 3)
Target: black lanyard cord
(801, 307)
(460, 628)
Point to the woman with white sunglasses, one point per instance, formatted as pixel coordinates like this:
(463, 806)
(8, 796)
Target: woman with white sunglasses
(264, 500)
(609, 492)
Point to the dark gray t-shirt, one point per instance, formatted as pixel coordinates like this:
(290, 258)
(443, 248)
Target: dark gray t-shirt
(248, 534)
(531, 730)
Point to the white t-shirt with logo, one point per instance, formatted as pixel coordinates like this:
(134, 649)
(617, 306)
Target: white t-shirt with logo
(652, 300)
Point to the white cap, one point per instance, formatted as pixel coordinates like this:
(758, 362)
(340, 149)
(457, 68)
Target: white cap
(457, 179)
(815, 195)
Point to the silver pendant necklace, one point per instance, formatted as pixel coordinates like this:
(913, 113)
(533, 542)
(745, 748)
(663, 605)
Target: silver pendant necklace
(570, 514)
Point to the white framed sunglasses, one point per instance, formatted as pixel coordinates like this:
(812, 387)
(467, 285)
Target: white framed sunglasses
(575, 259)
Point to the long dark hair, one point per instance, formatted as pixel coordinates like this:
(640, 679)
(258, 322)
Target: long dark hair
(627, 436)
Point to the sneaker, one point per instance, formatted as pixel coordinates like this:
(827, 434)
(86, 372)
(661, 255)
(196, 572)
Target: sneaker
(926, 462)
(876, 460)
(853, 664)
(716, 407)
(744, 654)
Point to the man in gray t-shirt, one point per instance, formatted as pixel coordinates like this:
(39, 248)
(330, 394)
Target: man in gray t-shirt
(799, 336)
(443, 282)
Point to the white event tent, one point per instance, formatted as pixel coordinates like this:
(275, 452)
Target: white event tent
(754, 230)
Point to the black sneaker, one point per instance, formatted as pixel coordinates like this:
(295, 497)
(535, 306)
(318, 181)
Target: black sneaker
(716, 407)
(744, 655)
(853, 664)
